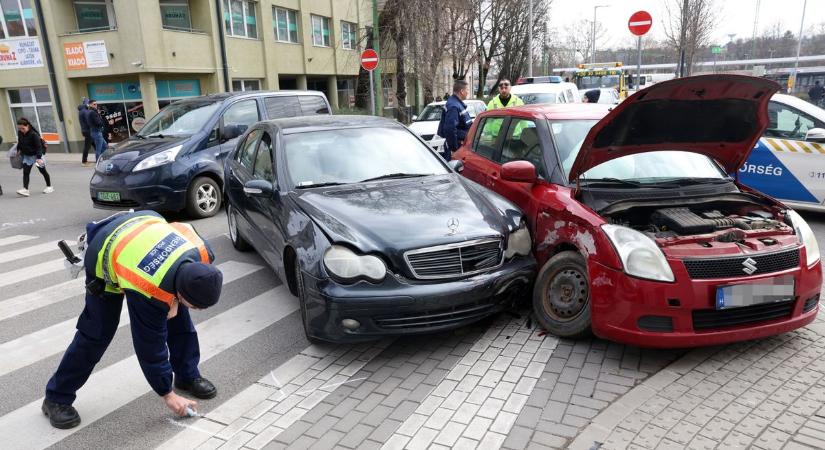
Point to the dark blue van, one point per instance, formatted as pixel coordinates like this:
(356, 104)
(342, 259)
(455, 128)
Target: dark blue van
(175, 162)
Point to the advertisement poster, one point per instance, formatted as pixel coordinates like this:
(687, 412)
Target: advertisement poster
(20, 53)
(85, 55)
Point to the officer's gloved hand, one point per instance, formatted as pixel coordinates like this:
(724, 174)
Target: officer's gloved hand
(73, 269)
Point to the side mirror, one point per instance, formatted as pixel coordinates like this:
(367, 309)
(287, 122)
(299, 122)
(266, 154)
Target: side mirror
(519, 172)
(259, 188)
(815, 135)
(414, 118)
(456, 164)
(231, 132)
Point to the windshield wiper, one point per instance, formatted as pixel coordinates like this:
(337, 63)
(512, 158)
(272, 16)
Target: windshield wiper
(157, 135)
(140, 136)
(691, 181)
(612, 181)
(396, 175)
(316, 185)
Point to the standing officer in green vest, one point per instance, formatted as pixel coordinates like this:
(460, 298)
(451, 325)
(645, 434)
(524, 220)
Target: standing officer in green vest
(163, 270)
(504, 97)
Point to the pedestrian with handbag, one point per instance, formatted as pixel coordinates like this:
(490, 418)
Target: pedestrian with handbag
(32, 147)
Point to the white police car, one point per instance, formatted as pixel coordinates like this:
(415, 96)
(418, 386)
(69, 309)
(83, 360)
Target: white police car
(788, 163)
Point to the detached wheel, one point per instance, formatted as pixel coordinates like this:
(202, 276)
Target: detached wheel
(299, 287)
(204, 198)
(561, 296)
(238, 241)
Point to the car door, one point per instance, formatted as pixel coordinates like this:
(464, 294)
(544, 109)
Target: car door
(521, 143)
(240, 172)
(478, 162)
(242, 114)
(260, 208)
(783, 164)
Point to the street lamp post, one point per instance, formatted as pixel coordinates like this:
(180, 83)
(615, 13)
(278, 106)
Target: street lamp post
(792, 84)
(593, 55)
(530, 38)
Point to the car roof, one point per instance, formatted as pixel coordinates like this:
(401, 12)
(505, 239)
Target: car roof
(220, 96)
(800, 104)
(303, 124)
(559, 111)
(540, 87)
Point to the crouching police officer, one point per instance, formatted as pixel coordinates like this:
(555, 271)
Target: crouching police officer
(164, 270)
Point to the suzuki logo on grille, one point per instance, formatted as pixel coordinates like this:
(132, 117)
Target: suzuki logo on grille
(452, 225)
(750, 266)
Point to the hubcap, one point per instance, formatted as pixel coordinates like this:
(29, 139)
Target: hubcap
(566, 297)
(207, 198)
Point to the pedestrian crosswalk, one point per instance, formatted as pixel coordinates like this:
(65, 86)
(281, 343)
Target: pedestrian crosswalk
(30, 285)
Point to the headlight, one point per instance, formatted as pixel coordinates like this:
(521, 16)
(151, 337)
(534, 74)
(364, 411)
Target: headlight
(519, 242)
(806, 236)
(346, 265)
(640, 255)
(159, 159)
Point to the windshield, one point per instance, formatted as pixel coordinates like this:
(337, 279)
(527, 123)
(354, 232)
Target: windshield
(431, 113)
(185, 118)
(650, 167)
(590, 82)
(537, 98)
(353, 155)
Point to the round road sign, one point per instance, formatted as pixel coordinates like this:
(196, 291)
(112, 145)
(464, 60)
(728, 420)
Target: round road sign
(640, 23)
(369, 59)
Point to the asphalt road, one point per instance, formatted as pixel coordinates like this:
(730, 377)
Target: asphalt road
(254, 328)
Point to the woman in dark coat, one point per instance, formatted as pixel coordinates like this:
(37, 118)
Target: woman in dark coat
(30, 146)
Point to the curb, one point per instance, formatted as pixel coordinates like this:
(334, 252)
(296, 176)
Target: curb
(603, 424)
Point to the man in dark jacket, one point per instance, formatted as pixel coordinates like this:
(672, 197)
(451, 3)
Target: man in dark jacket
(88, 142)
(164, 270)
(96, 128)
(456, 120)
(816, 93)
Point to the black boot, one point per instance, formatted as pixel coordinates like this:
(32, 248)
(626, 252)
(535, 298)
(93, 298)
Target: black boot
(199, 387)
(60, 415)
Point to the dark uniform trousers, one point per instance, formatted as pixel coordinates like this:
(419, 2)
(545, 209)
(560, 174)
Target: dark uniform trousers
(97, 326)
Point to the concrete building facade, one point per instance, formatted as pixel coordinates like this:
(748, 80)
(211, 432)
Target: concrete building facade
(136, 56)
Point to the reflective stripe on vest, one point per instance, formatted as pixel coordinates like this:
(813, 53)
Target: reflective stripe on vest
(143, 254)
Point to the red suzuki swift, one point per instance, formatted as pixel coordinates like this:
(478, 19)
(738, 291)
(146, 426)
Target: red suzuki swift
(641, 234)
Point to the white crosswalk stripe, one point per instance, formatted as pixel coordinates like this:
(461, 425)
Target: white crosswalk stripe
(31, 272)
(39, 299)
(115, 386)
(31, 250)
(41, 344)
(16, 239)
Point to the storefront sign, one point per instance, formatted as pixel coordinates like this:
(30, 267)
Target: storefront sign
(178, 88)
(21, 53)
(85, 55)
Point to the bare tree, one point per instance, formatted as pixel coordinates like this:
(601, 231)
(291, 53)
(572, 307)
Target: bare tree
(461, 37)
(512, 61)
(579, 40)
(688, 27)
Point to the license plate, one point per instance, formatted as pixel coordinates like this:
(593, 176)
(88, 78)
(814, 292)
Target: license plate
(108, 196)
(767, 291)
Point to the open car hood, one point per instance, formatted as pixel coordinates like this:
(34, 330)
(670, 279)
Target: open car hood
(721, 116)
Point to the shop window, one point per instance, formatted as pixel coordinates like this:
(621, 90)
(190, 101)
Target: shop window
(16, 19)
(246, 85)
(286, 25)
(35, 104)
(239, 18)
(176, 15)
(320, 31)
(94, 15)
(349, 35)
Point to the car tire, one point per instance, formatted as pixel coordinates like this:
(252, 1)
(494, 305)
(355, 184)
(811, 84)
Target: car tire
(235, 236)
(203, 198)
(561, 296)
(300, 288)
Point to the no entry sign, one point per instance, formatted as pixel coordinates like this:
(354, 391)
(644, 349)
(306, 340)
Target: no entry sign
(369, 59)
(640, 23)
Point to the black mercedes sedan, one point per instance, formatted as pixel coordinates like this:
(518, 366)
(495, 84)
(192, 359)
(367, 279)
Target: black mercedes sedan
(373, 231)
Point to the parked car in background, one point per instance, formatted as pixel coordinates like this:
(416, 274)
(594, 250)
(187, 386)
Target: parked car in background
(788, 163)
(373, 231)
(547, 93)
(426, 123)
(640, 233)
(607, 96)
(175, 162)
